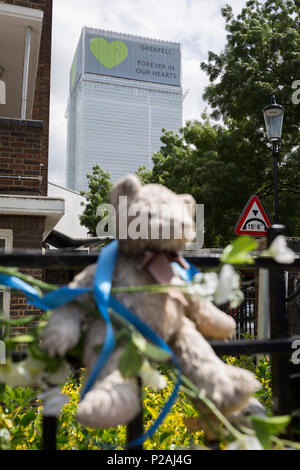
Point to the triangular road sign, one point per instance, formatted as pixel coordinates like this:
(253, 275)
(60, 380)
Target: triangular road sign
(254, 220)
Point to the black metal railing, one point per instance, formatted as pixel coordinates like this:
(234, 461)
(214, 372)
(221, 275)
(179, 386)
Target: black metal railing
(285, 375)
(245, 315)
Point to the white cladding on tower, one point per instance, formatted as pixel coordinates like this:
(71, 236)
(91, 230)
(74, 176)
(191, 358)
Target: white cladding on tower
(123, 90)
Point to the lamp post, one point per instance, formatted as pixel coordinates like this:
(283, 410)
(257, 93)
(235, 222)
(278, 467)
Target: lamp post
(273, 115)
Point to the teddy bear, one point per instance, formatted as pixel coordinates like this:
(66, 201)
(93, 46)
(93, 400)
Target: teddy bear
(184, 322)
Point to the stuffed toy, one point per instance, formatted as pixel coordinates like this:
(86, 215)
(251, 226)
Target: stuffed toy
(184, 322)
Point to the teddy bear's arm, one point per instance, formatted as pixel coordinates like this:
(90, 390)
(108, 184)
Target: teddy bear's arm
(63, 330)
(209, 319)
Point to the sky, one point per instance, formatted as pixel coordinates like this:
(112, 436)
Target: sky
(197, 24)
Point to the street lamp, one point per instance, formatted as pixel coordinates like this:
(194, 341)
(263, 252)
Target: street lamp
(273, 115)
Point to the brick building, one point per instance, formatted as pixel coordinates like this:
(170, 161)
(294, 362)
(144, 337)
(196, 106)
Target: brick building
(27, 214)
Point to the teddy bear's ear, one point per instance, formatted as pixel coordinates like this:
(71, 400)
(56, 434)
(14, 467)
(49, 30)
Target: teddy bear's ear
(127, 186)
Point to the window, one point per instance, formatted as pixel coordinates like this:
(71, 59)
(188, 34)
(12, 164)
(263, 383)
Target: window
(6, 244)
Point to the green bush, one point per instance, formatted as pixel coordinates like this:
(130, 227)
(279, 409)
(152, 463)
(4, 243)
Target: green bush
(21, 416)
(21, 422)
(262, 370)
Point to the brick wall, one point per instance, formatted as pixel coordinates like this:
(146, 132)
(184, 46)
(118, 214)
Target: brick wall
(42, 90)
(27, 232)
(41, 102)
(23, 148)
(20, 308)
(20, 155)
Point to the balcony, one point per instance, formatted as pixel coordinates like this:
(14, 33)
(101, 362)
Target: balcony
(20, 36)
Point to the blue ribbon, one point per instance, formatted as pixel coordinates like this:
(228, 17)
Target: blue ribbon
(102, 292)
(186, 274)
(102, 288)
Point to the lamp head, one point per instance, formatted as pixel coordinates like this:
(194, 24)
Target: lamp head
(273, 115)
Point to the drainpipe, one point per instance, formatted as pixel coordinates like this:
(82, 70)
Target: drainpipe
(26, 71)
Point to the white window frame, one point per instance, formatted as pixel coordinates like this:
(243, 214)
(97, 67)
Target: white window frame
(6, 235)
(2, 92)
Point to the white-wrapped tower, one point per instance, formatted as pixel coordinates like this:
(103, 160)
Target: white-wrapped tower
(123, 90)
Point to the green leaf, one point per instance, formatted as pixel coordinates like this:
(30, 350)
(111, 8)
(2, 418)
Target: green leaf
(152, 411)
(27, 418)
(37, 353)
(62, 440)
(149, 349)
(21, 339)
(238, 251)
(165, 435)
(17, 321)
(267, 426)
(275, 424)
(263, 435)
(52, 363)
(130, 361)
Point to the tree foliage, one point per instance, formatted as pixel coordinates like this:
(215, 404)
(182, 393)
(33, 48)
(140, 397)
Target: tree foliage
(98, 193)
(223, 164)
(261, 58)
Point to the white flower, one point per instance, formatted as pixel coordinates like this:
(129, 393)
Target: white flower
(14, 374)
(236, 298)
(31, 371)
(177, 281)
(4, 434)
(280, 251)
(228, 281)
(221, 289)
(151, 377)
(205, 284)
(249, 443)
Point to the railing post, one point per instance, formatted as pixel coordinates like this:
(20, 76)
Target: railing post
(135, 428)
(49, 432)
(279, 329)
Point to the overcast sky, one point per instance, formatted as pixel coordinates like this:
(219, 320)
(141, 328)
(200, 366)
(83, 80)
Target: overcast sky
(196, 24)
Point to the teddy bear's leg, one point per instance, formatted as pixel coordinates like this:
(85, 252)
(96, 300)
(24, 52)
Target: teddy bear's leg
(112, 401)
(228, 387)
(209, 319)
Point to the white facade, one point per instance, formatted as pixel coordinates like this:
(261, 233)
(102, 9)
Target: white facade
(69, 224)
(117, 122)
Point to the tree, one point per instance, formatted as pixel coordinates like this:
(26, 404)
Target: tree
(261, 58)
(218, 166)
(222, 165)
(98, 193)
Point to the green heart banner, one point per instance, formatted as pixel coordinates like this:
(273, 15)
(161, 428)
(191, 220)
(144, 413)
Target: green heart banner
(108, 54)
(126, 56)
